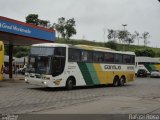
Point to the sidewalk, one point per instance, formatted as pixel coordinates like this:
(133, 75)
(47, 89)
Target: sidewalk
(17, 77)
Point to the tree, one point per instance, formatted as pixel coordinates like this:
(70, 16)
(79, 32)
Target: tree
(70, 30)
(20, 51)
(145, 36)
(66, 28)
(137, 35)
(33, 19)
(122, 35)
(112, 34)
(130, 38)
(44, 23)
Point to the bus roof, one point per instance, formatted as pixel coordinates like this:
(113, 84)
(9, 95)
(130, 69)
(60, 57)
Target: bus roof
(84, 47)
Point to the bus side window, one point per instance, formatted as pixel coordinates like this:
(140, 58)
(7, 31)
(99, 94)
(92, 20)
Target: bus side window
(109, 57)
(86, 56)
(133, 59)
(126, 59)
(74, 55)
(98, 57)
(118, 58)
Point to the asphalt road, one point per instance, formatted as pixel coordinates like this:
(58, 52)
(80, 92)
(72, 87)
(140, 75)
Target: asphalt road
(141, 96)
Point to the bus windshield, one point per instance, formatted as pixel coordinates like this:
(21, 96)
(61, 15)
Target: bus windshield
(39, 64)
(47, 60)
(40, 60)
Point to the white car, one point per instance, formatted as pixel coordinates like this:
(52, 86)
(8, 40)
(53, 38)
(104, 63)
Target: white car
(155, 73)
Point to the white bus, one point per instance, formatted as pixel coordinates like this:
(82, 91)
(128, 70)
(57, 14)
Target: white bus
(148, 63)
(62, 65)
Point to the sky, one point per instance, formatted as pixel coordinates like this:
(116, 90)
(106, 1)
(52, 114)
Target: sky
(93, 16)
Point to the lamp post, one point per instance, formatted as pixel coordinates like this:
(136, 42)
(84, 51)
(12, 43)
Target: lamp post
(124, 25)
(104, 34)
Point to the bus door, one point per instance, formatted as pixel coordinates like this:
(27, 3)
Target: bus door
(58, 61)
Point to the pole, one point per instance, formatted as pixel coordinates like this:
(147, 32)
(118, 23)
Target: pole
(10, 60)
(124, 25)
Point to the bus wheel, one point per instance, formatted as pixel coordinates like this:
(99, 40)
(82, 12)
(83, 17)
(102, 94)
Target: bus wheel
(122, 81)
(115, 82)
(69, 84)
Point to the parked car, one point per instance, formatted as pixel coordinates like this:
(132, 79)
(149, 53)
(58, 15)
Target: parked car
(142, 73)
(155, 74)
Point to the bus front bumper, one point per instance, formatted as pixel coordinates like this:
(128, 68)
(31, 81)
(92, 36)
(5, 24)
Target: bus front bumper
(38, 82)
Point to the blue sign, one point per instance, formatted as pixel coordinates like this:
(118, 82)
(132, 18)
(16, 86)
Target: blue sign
(28, 31)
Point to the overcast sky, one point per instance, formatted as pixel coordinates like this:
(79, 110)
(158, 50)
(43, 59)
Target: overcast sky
(92, 16)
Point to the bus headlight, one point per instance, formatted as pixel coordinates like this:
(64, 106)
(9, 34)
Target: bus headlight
(26, 80)
(44, 82)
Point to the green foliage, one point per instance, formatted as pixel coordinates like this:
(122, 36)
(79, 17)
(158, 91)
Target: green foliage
(122, 35)
(70, 30)
(111, 44)
(145, 52)
(20, 51)
(21, 54)
(112, 34)
(66, 28)
(33, 19)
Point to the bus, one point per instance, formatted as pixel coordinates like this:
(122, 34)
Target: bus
(1, 59)
(63, 65)
(148, 63)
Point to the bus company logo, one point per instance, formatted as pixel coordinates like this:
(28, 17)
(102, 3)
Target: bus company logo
(112, 67)
(13, 27)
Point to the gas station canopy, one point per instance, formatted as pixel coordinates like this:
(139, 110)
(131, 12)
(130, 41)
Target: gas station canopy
(13, 32)
(19, 33)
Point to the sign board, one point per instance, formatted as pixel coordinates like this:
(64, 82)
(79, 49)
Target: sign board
(24, 29)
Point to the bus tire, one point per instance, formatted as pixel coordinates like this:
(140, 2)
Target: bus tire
(70, 83)
(115, 82)
(122, 81)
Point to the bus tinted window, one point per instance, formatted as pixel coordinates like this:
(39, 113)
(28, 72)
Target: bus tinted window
(74, 55)
(133, 59)
(60, 51)
(109, 57)
(118, 58)
(126, 59)
(98, 57)
(86, 56)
